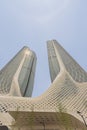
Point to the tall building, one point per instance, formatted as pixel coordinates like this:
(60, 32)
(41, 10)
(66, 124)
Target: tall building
(17, 77)
(63, 106)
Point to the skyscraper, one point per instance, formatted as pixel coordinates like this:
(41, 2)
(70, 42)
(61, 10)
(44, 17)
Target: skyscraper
(17, 77)
(68, 90)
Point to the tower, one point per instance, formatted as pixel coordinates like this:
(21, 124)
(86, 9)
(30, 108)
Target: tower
(17, 77)
(68, 88)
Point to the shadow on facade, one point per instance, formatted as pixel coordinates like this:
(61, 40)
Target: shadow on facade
(3, 128)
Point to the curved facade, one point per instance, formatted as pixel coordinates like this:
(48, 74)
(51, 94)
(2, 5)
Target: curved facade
(68, 88)
(17, 77)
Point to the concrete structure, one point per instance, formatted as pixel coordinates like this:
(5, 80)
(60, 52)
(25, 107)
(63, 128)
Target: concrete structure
(62, 106)
(17, 77)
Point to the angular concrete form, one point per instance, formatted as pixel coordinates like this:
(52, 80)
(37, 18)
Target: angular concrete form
(67, 95)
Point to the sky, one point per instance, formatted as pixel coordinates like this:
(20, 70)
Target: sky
(33, 22)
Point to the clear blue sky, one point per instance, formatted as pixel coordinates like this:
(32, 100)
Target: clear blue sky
(33, 22)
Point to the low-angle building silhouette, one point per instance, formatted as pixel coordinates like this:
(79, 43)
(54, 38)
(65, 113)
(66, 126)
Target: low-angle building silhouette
(64, 104)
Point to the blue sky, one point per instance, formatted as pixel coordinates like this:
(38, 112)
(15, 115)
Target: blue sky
(33, 22)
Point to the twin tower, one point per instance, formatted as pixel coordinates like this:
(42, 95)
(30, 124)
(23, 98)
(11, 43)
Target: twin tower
(17, 77)
(68, 87)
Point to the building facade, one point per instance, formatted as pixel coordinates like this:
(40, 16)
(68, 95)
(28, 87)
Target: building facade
(17, 77)
(62, 107)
